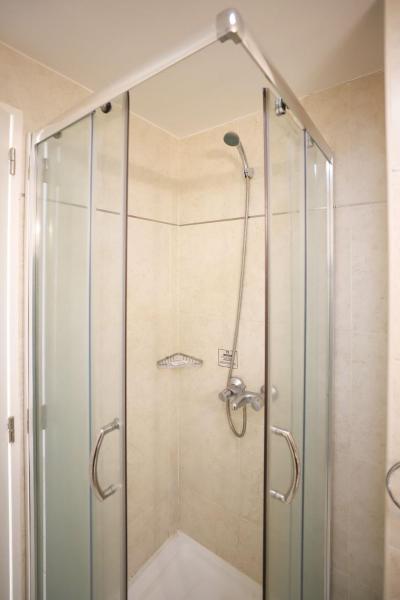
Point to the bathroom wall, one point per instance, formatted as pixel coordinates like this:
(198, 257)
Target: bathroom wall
(185, 468)
(152, 393)
(221, 476)
(392, 88)
(42, 94)
(351, 116)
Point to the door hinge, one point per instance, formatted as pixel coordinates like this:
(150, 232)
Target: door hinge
(11, 430)
(280, 107)
(309, 140)
(12, 160)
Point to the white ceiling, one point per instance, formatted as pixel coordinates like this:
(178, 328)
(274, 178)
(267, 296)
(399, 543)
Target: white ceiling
(214, 86)
(315, 44)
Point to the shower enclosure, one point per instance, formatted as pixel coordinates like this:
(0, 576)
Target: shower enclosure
(142, 225)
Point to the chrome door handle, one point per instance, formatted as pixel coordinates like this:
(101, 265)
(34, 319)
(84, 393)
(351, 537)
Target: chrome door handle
(392, 470)
(288, 497)
(101, 493)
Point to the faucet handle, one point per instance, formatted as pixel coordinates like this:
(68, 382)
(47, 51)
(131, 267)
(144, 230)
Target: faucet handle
(225, 395)
(236, 385)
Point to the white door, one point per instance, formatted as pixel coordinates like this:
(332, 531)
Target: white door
(11, 442)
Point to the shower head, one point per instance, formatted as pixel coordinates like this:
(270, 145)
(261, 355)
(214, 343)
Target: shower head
(231, 138)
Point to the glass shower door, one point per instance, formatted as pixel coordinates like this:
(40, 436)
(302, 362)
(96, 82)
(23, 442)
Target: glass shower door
(299, 347)
(79, 360)
(62, 358)
(286, 355)
(317, 375)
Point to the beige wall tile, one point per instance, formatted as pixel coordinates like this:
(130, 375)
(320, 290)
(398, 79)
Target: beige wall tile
(212, 185)
(368, 399)
(352, 119)
(221, 476)
(394, 258)
(152, 419)
(40, 93)
(392, 68)
(367, 168)
(339, 585)
(369, 268)
(392, 82)
(153, 170)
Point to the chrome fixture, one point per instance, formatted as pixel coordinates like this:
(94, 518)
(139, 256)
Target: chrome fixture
(309, 140)
(255, 399)
(101, 493)
(288, 496)
(392, 470)
(236, 394)
(231, 138)
(234, 387)
(179, 361)
(280, 107)
(106, 108)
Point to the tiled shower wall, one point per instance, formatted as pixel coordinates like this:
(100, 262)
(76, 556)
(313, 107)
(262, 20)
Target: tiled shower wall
(185, 468)
(392, 86)
(152, 407)
(351, 116)
(221, 476)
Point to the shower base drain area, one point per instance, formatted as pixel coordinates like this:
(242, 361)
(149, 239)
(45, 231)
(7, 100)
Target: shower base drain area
(182, 569)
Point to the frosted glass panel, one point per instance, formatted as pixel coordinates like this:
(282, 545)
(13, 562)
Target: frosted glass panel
(80, 358)
(62, 364)
(107, 344)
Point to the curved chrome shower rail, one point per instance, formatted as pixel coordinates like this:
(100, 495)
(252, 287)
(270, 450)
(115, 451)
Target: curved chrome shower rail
(101, 493)
(288, 497)
(389, 474)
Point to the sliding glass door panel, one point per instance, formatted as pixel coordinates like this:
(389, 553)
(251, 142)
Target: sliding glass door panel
(107, 294)
(79, 350)
(286, 355)
(62, 394)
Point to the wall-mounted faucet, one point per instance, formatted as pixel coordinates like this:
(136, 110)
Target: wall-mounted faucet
(236, 394)
(256, 400)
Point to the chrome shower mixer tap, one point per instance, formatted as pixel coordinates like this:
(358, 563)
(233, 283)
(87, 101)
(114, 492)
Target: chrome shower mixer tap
(238, 396)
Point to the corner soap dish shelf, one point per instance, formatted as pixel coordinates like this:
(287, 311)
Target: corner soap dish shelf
(179, 361)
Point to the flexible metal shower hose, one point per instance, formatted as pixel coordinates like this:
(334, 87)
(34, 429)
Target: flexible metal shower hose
(239, 433)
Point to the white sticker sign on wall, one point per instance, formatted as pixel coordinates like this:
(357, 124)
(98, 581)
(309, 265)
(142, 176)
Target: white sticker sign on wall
(225, 358)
